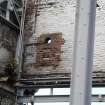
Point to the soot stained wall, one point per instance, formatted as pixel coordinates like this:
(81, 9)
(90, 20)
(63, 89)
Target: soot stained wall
(8, 39)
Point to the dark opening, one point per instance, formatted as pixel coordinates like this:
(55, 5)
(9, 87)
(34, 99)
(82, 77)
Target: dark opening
(97, 5)
(48, 40)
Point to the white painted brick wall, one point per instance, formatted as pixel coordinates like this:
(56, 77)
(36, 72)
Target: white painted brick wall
(61, 18)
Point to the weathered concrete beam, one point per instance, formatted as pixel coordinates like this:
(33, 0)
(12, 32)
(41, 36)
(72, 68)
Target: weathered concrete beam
(57, 98)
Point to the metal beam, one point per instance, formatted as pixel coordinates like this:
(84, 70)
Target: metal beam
(56, 98)
(11, 9)
(83, 52)
(9, 23)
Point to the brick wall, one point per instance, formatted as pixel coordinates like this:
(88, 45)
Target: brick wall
(58, 16)
(48, 49)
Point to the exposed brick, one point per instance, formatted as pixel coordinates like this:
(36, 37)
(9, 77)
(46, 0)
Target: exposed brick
(48, 54)
(60, 17)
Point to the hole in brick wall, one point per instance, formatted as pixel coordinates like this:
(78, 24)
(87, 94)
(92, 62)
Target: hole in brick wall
(97, 5)
(48, 53)
(48, 40)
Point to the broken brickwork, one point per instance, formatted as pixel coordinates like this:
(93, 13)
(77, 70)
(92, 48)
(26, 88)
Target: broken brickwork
(60, 17)
(48, 49)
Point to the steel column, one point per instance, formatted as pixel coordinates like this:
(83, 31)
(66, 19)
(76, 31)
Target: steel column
(83, 52)
(8, 10)
(20, 43)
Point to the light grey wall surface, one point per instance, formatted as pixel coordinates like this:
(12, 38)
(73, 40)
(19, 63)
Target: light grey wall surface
(60, 17)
